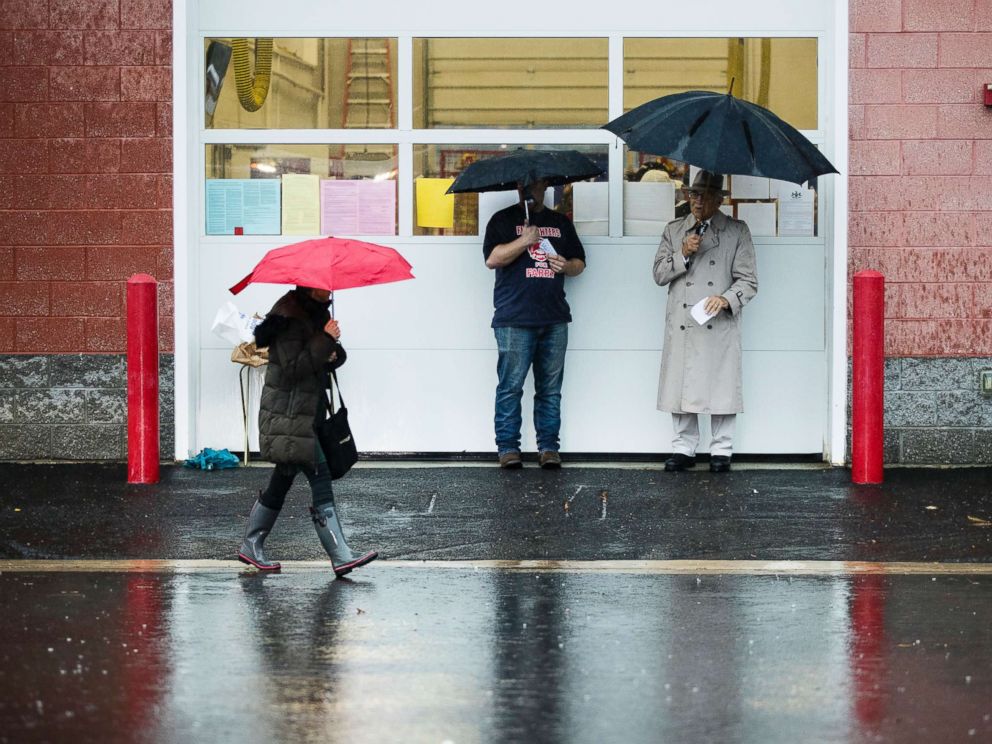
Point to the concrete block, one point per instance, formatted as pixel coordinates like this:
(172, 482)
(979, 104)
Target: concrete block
(960, 408)
(903, 121)
(983, 407)
(87, 442)
(21, 442)
(893, 373)
(938, 446)
(885, 15)
(947, 15)
(875, 158)
(965, 50)
(20, 371)
(929, 157)
(89, 371)
(51, 406)
(910, 409)
(937, 373)
(7, 406)
(983, 447)
(106, 406)
(167, 444)
(902, 50)
(166, 371)
(891, 447)
(943, 338)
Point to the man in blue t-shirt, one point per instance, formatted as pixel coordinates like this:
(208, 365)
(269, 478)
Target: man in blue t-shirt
(531, 259)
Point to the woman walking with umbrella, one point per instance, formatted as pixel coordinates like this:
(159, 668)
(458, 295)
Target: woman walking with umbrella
(304, 344)
(304, 347)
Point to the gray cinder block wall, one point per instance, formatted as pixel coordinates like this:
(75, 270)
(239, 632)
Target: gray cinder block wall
(935, 412)
(74, 407)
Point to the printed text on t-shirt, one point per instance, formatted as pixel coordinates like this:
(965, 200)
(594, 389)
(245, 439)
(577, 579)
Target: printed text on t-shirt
(544, 232)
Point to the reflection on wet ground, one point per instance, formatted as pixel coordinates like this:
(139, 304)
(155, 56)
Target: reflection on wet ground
(461, 655)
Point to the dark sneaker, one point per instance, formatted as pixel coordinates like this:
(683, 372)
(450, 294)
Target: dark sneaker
(678, 462)
(511, 461)
(719, 464)
(550, 460)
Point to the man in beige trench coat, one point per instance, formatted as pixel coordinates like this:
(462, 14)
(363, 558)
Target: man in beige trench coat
(705, 257)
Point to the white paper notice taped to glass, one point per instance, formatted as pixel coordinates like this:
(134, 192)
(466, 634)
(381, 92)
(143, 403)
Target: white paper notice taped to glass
(699, 313)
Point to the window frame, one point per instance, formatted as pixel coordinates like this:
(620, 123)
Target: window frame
(405, 136)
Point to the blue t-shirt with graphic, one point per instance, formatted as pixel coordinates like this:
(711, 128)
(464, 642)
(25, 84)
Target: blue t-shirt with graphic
(528, 292)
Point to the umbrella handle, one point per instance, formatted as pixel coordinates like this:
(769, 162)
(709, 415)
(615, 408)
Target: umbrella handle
(526, 212)
(332, 304)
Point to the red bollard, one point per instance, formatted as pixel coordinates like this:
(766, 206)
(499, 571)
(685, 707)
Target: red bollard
(142, 379)
(868, 378)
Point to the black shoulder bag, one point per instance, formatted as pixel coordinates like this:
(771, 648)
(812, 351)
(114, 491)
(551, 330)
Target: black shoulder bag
(334, 434)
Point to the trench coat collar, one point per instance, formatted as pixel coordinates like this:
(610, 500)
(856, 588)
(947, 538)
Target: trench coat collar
(718, 222)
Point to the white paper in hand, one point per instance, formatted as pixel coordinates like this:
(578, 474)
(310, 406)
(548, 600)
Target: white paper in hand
(699, 314)
(549, 250)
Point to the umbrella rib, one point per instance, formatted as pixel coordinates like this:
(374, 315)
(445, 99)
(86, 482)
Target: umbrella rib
(699, 122)
(777, 132)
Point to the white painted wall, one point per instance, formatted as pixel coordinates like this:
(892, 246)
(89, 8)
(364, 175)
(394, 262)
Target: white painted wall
(421, 370)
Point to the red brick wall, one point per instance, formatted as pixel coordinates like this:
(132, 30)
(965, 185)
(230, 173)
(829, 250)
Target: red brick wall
(921, 169)
(85, 169)
(85, 164)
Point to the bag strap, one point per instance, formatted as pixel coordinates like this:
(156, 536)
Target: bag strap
(330, 403)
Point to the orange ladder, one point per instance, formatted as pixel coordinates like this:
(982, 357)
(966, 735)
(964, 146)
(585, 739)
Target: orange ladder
(368, 100)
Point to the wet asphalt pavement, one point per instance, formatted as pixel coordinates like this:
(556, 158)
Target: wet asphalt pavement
(416, 655)
(477, 513)
(473, 653)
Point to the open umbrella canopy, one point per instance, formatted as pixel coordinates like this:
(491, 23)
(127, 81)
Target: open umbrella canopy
(721, 134)
(504, 172)
(328, 263)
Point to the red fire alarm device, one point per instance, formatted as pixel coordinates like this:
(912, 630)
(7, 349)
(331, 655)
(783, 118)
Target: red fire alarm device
(988, 94)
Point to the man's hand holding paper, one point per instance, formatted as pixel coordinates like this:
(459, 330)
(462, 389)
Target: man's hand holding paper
(708, 307)
(699, 313)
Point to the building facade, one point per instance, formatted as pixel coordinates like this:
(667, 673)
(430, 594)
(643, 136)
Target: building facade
(89, 127)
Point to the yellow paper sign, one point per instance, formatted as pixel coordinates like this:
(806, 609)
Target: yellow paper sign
(434, 207)
(300, 204)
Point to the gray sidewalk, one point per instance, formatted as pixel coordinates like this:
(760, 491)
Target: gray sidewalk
(432, 512)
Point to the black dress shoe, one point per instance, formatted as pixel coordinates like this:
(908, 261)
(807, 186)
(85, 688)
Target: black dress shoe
(678, 461)
(719, 464)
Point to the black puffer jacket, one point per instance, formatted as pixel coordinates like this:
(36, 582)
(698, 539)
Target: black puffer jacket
(295, 381)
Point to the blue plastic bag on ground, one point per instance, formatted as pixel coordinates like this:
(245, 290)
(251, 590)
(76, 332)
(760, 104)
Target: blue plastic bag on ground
(211, 459)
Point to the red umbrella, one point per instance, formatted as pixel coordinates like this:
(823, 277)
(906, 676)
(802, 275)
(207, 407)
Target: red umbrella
(328, 263)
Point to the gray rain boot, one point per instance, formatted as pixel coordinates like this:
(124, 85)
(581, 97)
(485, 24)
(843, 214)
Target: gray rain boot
(325, 521)
(260, 522)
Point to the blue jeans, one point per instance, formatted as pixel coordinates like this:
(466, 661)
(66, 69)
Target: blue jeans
(519, 348)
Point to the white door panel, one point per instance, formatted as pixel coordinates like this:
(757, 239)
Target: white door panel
(789, 312)
(442, 401)
(421, 373)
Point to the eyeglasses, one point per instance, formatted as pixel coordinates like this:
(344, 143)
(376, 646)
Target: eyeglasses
(697, 195)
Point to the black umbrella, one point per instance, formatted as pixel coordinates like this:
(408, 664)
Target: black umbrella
(524, 167)
(721, 134)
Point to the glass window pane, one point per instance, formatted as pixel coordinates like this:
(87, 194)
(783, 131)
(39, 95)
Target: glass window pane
(653, 196)
(312, 83)
(357, 204)
(510, 83)
(779, 74)
(447, 161)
